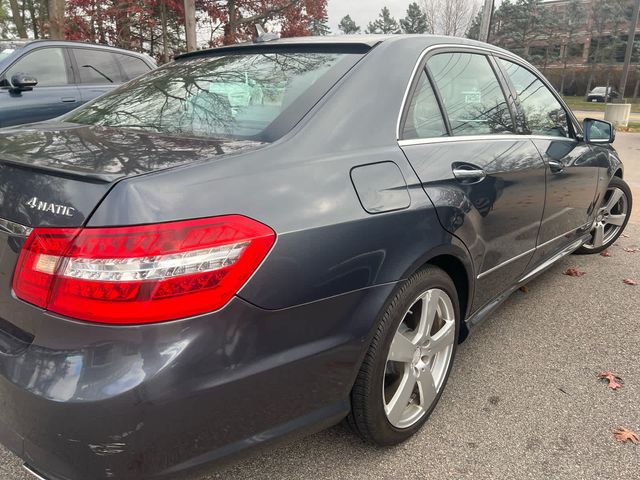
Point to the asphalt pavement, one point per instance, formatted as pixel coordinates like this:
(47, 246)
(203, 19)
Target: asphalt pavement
(524, 400)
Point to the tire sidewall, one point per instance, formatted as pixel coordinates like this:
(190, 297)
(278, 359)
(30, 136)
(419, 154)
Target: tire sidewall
(381, 429)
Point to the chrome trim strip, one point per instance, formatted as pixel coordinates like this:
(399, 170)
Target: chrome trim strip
(563, 235)
(14, 228)
(531, 251)
(32, 472)
(562, 253)
(477, 138)
(513, 259)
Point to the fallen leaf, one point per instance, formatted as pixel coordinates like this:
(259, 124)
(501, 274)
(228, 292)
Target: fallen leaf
(615, 382)
(573, 272)
(630, 281)
(524, 289)
(623, 435)
(605, 253)
(631, 249)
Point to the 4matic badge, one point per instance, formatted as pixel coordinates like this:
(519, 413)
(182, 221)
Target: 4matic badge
(51, 207)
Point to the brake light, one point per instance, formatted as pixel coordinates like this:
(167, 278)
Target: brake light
(141, 274)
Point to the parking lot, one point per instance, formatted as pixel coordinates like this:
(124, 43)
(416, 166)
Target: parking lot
(524, 400)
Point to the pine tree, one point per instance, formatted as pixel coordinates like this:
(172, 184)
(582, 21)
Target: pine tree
(348, 26)
(474, 28)
(415, 21)
(319, 26)
(384, 24)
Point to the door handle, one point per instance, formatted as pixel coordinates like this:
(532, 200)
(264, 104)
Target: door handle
(555, 166)
(68, 99)
(468, 173)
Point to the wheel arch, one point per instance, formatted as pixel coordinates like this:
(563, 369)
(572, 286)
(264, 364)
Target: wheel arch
(455, 261)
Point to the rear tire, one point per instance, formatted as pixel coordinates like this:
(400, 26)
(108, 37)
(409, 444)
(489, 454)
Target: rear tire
(611, 219)
(397, 388)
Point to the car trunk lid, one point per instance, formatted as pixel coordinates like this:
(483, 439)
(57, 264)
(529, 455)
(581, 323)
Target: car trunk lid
(55, 175)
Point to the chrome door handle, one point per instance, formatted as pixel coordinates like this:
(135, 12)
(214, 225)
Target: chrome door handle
(68, 99)
(475, 174)
(555, 166)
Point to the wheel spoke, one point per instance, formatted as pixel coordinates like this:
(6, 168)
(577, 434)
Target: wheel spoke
(400, 400)
(402, 349)
(615, 219)
(615, 198)
(427, 389)
(428, 315)
(598, 235)
(443, 338)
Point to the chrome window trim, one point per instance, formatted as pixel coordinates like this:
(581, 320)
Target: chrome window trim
(477, 138)
(14, 228)
(460, 47)
(449, 47)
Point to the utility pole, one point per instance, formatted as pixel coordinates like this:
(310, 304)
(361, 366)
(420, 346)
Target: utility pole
(190, 23)
(633, 24)
(487, 11)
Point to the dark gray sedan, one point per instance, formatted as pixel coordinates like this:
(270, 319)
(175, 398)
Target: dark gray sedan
(264, 239)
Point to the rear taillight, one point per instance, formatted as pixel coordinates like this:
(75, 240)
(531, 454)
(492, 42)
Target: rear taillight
(141, 274)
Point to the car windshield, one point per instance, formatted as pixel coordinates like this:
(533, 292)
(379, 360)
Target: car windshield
(8, 47)
(235, 95)
(598, 90)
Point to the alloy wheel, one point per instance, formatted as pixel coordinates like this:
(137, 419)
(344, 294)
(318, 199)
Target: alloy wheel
(419, 358)
(610, 219)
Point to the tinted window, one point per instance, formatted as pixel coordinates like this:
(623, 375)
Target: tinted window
(133, 67)
(97, 67)
(236, 95)
(543, 113)
(424, 119)
(46, 64)
(471, 94)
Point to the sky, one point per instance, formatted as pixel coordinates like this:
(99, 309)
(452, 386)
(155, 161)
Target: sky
(363, 11)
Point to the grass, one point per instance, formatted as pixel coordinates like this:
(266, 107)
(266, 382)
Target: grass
(578, 103)
(633, 127)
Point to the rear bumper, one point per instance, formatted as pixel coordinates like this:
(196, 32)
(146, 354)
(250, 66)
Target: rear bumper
(95, 402)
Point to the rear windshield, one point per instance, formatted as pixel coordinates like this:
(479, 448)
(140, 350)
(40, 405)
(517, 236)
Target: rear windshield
(234, 95)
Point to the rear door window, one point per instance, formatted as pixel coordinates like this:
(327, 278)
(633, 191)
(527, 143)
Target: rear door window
(471, 94)
(48, 65)
(97, 67)
(132, 66)
(543, 113)
(424, 119)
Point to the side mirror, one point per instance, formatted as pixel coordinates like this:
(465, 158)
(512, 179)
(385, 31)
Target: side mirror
(22, 82)
(598, 131)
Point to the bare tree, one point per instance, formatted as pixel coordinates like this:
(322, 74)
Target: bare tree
(56, 19)
(450, 17)
(190, 24)
(18, 20)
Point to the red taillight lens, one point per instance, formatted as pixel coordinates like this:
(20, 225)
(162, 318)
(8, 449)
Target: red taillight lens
(141, 274)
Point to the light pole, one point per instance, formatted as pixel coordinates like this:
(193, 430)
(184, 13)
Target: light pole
(486, 20)
(630, 42)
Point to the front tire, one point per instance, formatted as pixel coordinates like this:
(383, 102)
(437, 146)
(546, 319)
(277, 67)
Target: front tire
(611, 219)
(409, 360)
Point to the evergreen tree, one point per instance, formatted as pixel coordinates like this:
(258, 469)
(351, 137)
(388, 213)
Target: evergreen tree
(474, 28)
(319, 26)
(415, 21)
(384, 24)
(348, 26)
